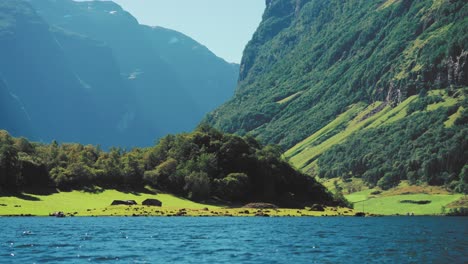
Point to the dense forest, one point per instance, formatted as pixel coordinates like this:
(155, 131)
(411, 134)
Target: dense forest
(309, 60)
(421, 148)
(200, 165)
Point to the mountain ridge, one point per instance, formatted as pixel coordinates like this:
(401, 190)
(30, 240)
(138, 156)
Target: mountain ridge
(125, 93)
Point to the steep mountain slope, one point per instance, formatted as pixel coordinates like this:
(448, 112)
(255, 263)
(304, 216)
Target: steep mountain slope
(38, 74)
(17, 118)
(326, 55)
(158, 64)
(315, 71)
(88, 72)
(186, 56)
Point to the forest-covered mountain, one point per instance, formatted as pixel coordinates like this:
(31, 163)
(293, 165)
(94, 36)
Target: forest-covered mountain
(88, 72)
(368, 89)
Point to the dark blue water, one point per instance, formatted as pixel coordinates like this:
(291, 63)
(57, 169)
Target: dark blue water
(234, 240)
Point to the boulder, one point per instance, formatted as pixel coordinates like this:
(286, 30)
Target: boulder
(152, 202)
(124, 202)
(57, 214)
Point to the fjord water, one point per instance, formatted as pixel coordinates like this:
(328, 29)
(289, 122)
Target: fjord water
(234, 240)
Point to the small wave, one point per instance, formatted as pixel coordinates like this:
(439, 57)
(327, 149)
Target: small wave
(24, 246)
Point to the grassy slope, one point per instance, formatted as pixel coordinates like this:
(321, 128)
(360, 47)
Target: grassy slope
(98, 204)
(388, 202)
(305, 153)
(390, 205)
(77, 201)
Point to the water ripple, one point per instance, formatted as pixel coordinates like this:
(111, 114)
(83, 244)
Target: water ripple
(234, 240)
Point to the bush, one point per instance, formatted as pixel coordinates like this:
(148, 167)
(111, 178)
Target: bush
(388, 181)
(463, 211)
(234, 186)
(198, 186)
(75, 175)
(160, 176)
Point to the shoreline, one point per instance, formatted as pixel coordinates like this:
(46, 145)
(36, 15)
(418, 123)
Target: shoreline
(150, 211)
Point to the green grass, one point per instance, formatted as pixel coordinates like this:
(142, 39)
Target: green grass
(387, 4)
(77, 201)
(390, 205)
(304, 154)
(359, 196)
(90, 204)
(451, 120)
(447, 102)
(289, 98)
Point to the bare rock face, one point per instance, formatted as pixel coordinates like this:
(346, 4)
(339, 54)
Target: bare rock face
(152, 202)
(457, 68)
(124, 202)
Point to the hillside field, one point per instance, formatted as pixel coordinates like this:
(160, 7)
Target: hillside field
(80, 203)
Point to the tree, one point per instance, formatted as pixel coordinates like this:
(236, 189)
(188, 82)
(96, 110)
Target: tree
(132, 168)
(159, 177)
(9, 163)
(234, 187)
(198, 186)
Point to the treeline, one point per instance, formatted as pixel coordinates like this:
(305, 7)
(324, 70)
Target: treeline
(200, 165)
(420, 148)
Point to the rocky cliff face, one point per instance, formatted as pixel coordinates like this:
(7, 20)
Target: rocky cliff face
(309, 60)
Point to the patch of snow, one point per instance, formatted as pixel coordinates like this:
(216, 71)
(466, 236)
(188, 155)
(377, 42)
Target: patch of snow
(173, 40)
(134, 74)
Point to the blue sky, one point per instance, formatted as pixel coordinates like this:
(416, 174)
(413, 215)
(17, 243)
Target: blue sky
(224, 26)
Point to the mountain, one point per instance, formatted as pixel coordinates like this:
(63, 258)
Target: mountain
(39, 76)
(88, 72)
(16, 115)
(359, 89)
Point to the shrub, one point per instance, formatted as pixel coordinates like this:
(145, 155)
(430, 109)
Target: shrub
(198, 186)
(234, 186)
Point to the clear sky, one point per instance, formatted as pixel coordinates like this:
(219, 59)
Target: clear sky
(224, 26)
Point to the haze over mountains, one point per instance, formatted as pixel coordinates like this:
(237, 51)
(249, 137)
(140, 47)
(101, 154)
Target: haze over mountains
(88, 72)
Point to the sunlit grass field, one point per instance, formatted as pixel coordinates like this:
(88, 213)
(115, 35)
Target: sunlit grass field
(77, 201)
(391, 205)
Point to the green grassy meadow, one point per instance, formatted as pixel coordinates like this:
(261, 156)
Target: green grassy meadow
(391, 205)
(77, 201)
(380, 202)
(80, 203)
